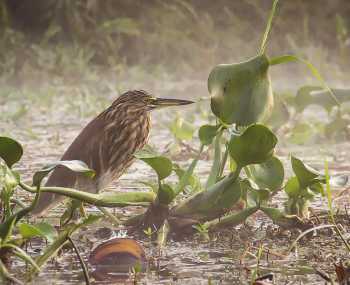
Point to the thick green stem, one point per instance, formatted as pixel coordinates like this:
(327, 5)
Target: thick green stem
(106, 199)
(215, 169)
(223, 162)
(5, 275)
(231, 220)
(184, 179)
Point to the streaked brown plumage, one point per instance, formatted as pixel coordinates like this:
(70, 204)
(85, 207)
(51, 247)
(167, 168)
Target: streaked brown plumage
(107, 145)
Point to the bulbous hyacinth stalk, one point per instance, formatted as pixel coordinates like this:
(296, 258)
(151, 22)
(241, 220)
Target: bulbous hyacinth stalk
(241, 93)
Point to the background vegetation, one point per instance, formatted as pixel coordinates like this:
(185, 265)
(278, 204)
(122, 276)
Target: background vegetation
(177, 37)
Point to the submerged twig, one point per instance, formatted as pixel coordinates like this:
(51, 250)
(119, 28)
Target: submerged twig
(81, 261)
(109, 215)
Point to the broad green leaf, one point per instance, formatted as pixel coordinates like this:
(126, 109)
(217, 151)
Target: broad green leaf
(160, 164)
(166, 194)
(305, 174)
(255, 145)
(206, 205)
(74, 165)
(241, 93)
(269, 174)
(231, 220)
(207, 133)
(292, 187)
(181, 129)
(39, 230)
(10, 151)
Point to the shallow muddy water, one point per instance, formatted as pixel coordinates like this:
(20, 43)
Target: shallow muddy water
(228, 258)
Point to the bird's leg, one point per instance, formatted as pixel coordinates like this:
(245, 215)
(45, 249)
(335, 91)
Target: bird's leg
(82, 210)
(71, 212)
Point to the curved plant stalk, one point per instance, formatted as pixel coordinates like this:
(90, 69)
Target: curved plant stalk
(213, 202)
(268, 28)
(231, 220)
(109, 215)
(310, 66)
(216, 166)
(21, 254)
(184, 179)
(223, 162)
(7, 226)
(106, 199)
(81, 261)
(4, 274)
(305, 233)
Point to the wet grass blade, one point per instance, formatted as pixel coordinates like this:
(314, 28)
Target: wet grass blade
(330, 207)
(184, 179)
(305, 233)
(268, 28)
(310, 66)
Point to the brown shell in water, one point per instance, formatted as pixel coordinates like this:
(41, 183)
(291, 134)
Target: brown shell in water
(118, 255)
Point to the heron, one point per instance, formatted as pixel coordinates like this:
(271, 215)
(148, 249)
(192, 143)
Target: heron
(107, 145)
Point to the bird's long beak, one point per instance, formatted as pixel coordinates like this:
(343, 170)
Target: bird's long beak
(164, 102)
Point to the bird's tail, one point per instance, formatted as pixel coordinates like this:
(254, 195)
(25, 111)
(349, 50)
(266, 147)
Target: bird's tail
(60, 177)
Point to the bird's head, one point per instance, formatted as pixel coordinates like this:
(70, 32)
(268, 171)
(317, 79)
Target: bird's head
(139, 100)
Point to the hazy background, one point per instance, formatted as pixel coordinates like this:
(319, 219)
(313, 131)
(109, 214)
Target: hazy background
(156, 39)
